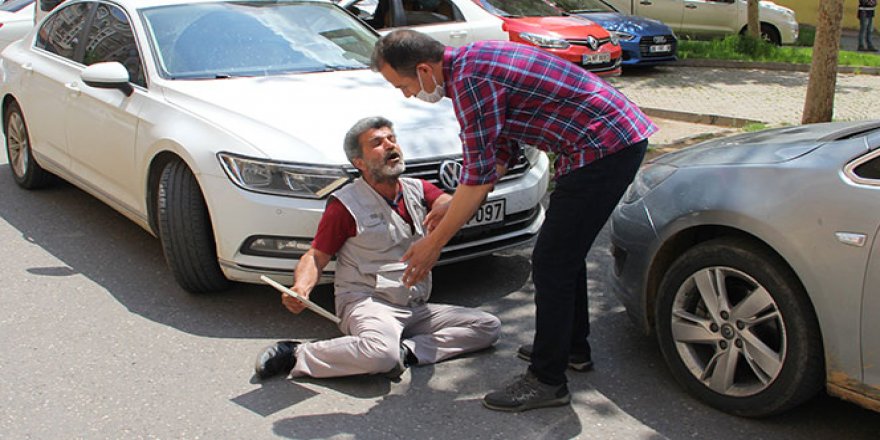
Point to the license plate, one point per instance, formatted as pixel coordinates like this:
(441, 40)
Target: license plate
(597, 58)
(660, 48)
(489, 212)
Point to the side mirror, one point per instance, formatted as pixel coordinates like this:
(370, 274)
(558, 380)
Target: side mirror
(109, 75)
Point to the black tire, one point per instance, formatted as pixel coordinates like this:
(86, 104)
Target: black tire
(26, 171)
(770, 34)
(703, 344)
(186, 233)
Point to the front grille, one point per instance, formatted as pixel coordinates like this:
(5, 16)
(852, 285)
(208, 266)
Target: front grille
(430, 170)
(583, 42)
(646, 42)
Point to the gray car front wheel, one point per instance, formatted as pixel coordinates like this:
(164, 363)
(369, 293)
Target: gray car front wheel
(737, 330)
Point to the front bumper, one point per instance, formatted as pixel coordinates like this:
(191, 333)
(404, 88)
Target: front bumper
(238, 215)
(632, 237)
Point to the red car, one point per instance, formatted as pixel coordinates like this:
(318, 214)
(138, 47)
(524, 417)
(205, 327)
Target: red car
(576, 39)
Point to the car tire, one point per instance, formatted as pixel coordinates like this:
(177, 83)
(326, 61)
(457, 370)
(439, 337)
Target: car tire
(770, 34)
(755, 352)
(26, 171)
(186, 233)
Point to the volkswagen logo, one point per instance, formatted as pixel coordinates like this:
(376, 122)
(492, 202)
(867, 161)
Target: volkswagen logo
(450, 171)
(593, 42)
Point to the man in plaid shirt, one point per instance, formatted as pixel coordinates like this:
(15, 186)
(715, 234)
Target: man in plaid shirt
(506, 94)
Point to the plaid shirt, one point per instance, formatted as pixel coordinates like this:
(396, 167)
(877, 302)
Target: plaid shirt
(505, 93)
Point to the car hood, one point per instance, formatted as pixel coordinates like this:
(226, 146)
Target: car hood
(303, 118)
(566, 27)
(765, 147)
(627, 23)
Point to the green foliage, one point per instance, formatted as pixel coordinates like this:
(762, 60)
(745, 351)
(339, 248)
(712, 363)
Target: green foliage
(806, 35)
(755, 126)
(742, 48)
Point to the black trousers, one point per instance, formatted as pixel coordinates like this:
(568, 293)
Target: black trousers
(580, 205)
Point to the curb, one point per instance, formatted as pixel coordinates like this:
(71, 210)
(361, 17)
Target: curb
(699, 118)
(734, 64)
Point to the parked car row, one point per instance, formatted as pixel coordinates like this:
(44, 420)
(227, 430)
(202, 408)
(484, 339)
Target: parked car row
(590, 33)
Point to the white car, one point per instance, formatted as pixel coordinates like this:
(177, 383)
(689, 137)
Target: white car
(715, 18)
(218, 126)
(16, 19)
(452, 22)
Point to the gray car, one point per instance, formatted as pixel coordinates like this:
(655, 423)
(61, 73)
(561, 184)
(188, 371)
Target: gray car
(755, 261)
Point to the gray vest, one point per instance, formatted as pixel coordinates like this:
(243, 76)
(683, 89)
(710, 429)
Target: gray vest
(369, 262)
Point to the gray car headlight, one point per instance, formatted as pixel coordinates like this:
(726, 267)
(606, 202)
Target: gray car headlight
(647, 179)
(264, 176)
(545, 41)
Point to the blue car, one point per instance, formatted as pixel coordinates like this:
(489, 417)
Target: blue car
(645, 42)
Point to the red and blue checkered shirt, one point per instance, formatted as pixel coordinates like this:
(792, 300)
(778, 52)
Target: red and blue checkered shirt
(509, 93)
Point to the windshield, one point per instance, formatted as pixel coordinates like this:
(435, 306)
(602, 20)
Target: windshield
(256, 38)
(15, 5)
(521, 8)
(584, 6)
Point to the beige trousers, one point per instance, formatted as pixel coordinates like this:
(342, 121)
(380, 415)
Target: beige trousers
(375, 329)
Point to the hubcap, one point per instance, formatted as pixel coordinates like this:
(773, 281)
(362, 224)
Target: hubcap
(17, 144)
(720, 305)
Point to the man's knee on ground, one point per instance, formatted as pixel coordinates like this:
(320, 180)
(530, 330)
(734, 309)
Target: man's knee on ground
(378, 355)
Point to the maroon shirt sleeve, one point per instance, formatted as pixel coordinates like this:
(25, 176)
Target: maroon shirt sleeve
(432, 193)
(336, 226)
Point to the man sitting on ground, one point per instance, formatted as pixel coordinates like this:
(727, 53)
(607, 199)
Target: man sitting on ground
(369, 225)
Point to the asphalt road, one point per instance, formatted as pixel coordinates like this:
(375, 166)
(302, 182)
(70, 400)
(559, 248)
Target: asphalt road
(99, 342)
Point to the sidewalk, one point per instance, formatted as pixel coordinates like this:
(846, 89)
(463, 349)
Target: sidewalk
(774, 98)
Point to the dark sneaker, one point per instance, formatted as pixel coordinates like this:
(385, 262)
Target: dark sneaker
(526, 393)
(407, 358)
(278, 358)
(577, 362)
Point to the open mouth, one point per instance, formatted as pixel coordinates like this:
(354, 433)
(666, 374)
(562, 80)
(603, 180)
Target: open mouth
(392, 157)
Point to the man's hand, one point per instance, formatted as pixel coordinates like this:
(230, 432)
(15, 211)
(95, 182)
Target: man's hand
(436, 214)
(293, 304)
(421, 256)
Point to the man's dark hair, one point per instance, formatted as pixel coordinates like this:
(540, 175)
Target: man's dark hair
(403, 49)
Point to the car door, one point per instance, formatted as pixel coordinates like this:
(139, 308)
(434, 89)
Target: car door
(868, 174)
(710, 18)
(668, 11)
(101, 124)
(45, 100)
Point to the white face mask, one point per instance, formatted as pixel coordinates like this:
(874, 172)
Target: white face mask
(437, 95)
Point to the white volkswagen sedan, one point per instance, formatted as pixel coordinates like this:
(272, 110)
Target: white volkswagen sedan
(218, 127)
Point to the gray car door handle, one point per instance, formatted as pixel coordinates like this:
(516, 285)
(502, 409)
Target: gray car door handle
(691, 6)
(458, 34)
(645, 2)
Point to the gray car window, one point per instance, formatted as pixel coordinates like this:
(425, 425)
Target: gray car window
(110, 38)
(61, 33)
(869, 170)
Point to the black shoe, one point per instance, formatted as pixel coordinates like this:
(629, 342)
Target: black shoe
(407, 358)
(278, 358)
(577, 362)
(525, 393)
(872, 49)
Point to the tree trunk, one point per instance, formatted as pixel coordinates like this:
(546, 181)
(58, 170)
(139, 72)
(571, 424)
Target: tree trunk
(754, 23)
(819, 105)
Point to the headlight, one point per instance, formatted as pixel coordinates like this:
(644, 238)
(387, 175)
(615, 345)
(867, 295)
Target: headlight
(621, 36)
(647, 179)
(281, 179)
(545, 41)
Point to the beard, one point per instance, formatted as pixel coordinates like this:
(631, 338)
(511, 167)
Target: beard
(382, 173)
